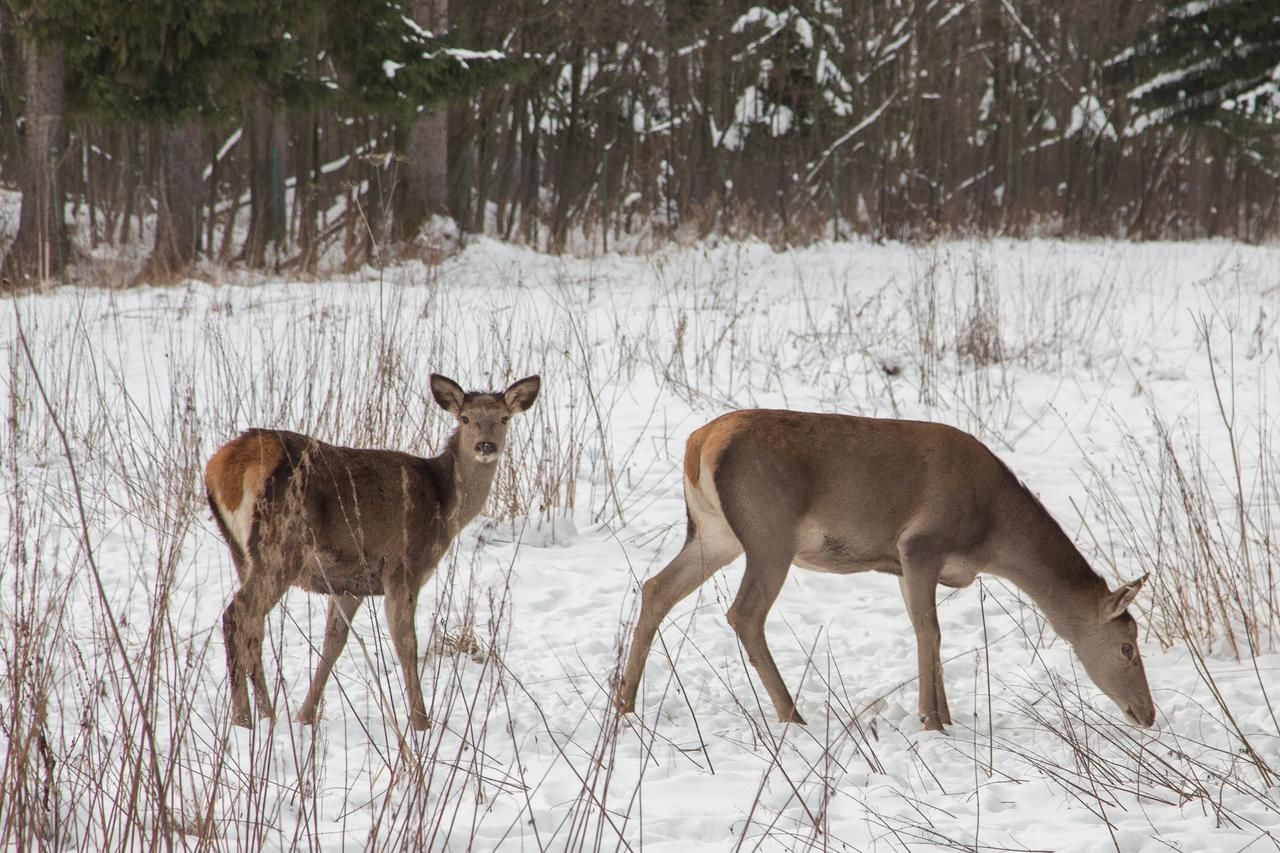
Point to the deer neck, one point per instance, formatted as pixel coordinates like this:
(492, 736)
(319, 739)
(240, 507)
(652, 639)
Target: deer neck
(471, 482)
(1043, 562)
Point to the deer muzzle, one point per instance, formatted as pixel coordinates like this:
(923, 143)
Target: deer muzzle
(1144, 717)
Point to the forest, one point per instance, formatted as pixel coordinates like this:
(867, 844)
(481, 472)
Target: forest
(286, 135)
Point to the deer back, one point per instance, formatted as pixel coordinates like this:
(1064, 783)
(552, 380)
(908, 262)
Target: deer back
(332, 519)
(845, 486)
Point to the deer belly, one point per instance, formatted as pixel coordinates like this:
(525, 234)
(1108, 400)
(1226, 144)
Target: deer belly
(823, 552)
(958, 572)
(329, 576)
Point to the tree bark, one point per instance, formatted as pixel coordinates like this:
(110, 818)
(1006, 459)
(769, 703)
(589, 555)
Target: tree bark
(39, 251)
(424, 182)
(10, 87)
(178, 216)
(268, 165)
(307, 202)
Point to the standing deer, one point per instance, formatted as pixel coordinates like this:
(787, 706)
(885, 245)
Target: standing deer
(924, 501)
(348, 523)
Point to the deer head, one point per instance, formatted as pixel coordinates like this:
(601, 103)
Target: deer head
(483, 418)
(1108, 648)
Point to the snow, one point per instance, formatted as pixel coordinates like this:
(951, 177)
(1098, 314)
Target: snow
(465, 56)
(10, 213)
(1108, 353)
(773, 21)
(1262, 101)
(415, 28)
(752, 108)
(1088, 114)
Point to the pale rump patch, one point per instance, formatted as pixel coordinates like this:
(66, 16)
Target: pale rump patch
(702, 499)
(702, 455)
(240, 522)
(235, 477)
(693, 458)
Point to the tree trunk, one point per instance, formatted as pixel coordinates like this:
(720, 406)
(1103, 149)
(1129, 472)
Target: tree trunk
(267, 168)
(424, 183)
(10, 90)
(178, 215)
(40, 249)
(569, 177)
(307, 202)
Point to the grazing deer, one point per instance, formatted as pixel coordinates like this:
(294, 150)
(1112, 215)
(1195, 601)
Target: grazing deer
(348, 523)
(923, 501)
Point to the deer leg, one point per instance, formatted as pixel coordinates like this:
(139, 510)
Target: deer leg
(243, 630)
(342, 608)
(401, 603)
(237, 673)
(766, 571)
(697, 561)
(939, 683)
(919, 589)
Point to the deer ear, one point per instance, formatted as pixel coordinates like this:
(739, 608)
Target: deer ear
(1120, 598)
(448, 394)
(521, 394)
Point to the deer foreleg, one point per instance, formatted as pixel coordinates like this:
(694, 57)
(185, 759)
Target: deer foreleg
(919, 590)
(401, 604)
(342, 608)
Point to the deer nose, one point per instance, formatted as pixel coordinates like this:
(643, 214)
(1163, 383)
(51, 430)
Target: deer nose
(1144, 717)
(486, 447)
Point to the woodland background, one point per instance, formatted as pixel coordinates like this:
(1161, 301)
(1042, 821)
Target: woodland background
(280, 135)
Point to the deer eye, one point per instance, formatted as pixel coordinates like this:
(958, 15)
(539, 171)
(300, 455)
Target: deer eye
(505, 419)
(465, 419)
(1127, 650)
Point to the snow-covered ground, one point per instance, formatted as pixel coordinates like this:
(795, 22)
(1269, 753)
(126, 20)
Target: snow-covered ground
(1133, 387)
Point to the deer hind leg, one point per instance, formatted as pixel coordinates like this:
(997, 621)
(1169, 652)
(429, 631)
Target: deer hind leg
(401, 603)
(700, 558)
(767, 567)
(919, 582)
(233, 544)
(243, 630)
(342, 609)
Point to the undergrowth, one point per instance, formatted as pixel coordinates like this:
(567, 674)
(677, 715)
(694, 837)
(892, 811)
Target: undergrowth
(115, 721)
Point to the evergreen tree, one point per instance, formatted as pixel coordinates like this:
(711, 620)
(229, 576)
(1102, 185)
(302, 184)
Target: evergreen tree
(181, 66)
(1213, 63)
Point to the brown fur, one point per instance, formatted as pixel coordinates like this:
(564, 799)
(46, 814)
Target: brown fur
(693, 455)
(707, 443)
(348, 523)
(842, 494)
(242, 465)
